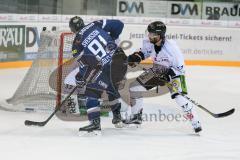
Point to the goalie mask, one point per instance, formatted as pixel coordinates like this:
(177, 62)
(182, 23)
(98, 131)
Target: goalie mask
(156, 31)
(75, 24)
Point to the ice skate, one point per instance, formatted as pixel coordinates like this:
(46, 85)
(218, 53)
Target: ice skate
(191, 115)
(197, 127)
(117, 118)
(135, 119)
(94, 128)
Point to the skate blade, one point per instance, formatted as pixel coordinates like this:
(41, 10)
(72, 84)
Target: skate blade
(138, 125)
(119, 125)
(89, 134)
(131, 125)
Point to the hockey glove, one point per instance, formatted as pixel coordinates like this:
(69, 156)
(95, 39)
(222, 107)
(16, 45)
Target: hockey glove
(80, 81)
(160, 69)
(164, 79)
(163, 73)
(135, 58)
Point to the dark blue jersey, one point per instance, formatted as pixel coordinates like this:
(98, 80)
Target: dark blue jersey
(94, 44)
(92, 40)
(113, 27)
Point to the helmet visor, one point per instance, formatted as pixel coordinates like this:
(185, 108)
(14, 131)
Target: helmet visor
(151, 34)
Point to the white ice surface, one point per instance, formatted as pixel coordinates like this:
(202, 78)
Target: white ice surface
(216, 88)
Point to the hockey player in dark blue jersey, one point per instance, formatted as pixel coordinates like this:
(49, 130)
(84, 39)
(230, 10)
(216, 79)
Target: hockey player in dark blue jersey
(103, 66)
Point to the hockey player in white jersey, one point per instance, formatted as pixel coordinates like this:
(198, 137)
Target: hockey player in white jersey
(168, 69)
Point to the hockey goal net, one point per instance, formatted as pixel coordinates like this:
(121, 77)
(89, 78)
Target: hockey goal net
(34, 92)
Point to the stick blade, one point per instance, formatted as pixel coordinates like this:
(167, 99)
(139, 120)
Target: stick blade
(225, 114)
(32, 123)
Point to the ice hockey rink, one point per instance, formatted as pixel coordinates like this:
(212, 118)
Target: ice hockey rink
(216, 88)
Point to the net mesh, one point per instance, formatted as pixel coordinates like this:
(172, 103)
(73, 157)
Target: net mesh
(34, 92)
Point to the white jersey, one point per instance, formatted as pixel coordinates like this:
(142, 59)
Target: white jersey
(169, 55)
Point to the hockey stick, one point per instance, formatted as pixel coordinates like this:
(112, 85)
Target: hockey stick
(90, 79)
(57, 108)
(215, 115)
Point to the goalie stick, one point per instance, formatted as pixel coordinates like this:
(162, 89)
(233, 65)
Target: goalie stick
(215, 115)
(57, 108)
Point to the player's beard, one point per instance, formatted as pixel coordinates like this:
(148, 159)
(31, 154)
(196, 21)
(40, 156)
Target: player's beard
(154, 40)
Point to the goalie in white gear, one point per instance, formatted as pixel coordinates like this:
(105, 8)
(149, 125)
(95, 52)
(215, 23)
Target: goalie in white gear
(168, 69)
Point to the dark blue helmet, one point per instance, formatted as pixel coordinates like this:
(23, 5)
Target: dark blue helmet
(76, 23)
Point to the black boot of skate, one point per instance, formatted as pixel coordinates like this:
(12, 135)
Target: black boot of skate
(197, 128)
(135, 119)
(117, 118)
(94, 126)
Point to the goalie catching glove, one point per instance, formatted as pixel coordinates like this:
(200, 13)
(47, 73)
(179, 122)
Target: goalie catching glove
(135, 58)
(162, 72)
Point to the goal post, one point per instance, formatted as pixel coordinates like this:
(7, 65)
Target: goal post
(66, 40)
(34, 92)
